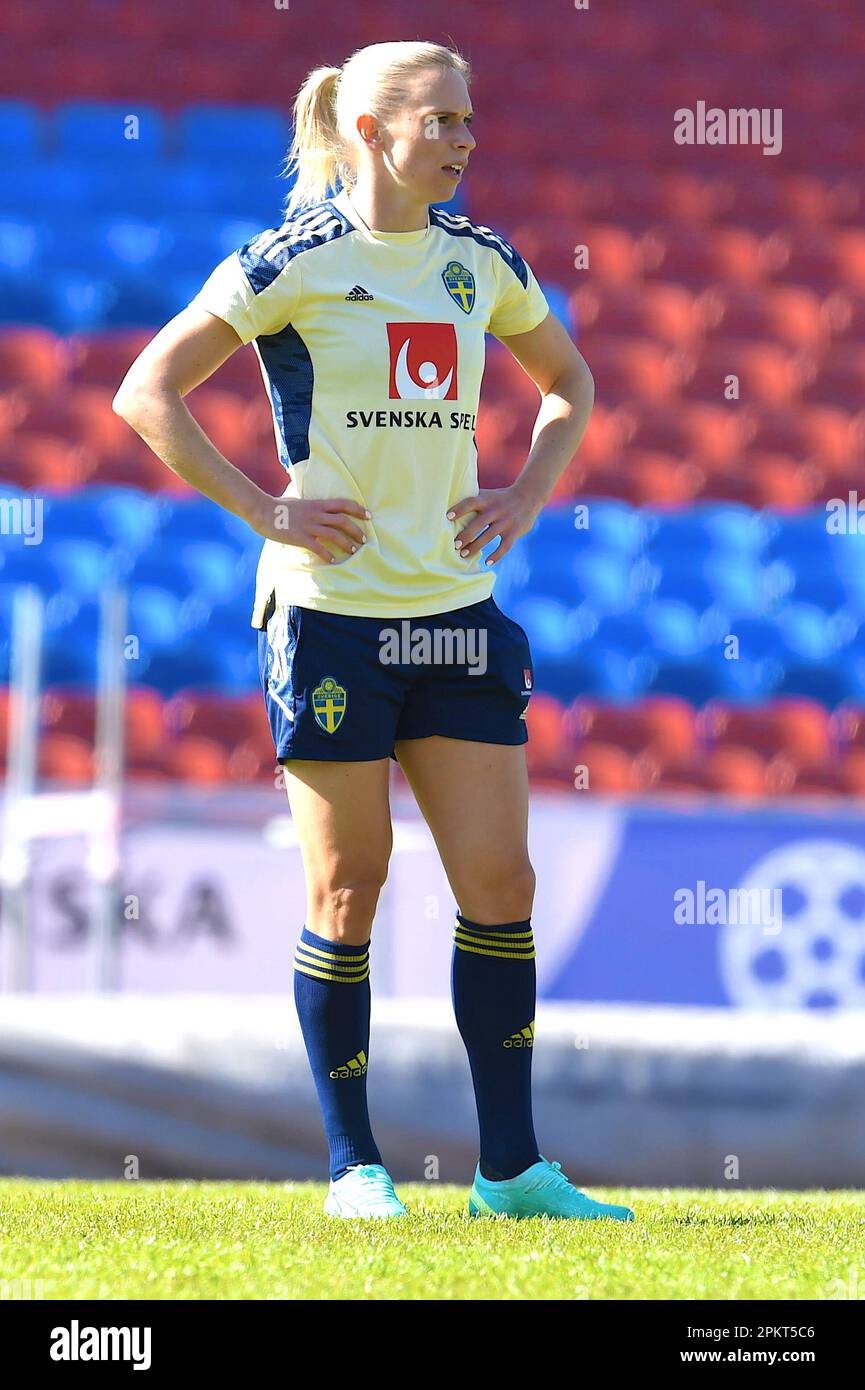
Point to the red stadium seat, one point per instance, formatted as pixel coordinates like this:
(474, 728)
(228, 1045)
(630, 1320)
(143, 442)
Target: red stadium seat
(199, 760)
(72, 712)
(635, 369)
(657, 480)
(226, 720)
(825, 435)
(790, 314)
(547, 243)
(850, 258)
(661, 725)
(839, 378)
(103, 359)
(698, 259)
(140, 467)
(736, 771)
(796, 727)
(781, 482)
(845, 312)
(65, 758)
(548, 751)
(714, 434)
(804, 256)
(42, 462)
(604, 437)
(5, 715)
(615, 256)
(79, 416)
(667, 313)
(767, 375)
(852, 773)
(611, 771)
(33, 357)
(222, 416)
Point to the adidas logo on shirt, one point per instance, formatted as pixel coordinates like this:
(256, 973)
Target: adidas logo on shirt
(355, 1067)
(524, 1038)
(357, 293)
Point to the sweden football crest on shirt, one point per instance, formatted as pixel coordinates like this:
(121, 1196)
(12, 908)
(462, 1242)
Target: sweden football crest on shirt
(328, 704)
(460, 285)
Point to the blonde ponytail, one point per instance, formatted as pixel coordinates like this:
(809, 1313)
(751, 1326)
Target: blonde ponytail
(322, 153)
(317, 152)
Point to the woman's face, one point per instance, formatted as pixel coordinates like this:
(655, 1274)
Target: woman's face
(429, 134)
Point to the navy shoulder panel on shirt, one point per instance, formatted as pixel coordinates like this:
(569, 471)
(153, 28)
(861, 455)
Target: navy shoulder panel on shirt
(270, 251)
(457, 224)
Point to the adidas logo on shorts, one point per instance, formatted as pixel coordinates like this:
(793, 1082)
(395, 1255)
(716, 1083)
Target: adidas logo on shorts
(358, 292)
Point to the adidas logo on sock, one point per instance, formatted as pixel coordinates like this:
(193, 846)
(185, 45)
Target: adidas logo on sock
(355, 1067)
(358, 292)
(524, 1038)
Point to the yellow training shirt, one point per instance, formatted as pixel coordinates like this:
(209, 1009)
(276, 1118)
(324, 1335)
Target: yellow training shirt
(371, 346)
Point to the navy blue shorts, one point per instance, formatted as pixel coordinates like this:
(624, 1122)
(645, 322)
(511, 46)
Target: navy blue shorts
(346, 689)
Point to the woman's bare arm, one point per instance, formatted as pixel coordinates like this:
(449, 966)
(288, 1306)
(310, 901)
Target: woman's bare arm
(183, 354)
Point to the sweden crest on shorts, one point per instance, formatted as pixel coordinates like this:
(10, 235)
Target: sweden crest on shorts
(460, 285)
(328, 704)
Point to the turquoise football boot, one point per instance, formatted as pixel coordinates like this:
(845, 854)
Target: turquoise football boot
(542, 1190)
(364, 1191)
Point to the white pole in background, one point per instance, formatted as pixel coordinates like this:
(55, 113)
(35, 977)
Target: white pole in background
(21, 774)
(104, 860)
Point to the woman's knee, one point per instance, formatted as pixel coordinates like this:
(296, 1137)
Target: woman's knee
(344, 906)
(500, 893)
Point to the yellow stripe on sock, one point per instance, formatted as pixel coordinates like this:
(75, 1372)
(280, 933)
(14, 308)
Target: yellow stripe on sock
(329, 955)
(511, 955)
(317, 972)
(494, 935)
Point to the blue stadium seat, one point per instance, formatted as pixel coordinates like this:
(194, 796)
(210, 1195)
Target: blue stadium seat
(674, 629)
(26, 564)
(21, 241)
(826, 681)
(70, 648)
(742, 586)
(41, 187)
(131, 517)
(809, 635)
(229, 668)
(623, 632)
(103, 131)
(253, 135)
(214, 569)
(549, 623)
(81, 567)
(611, 525)
(20, 132)
(706, 527)
(799, 534)
(603, 674)
(814, 583)
(160, 567)
(155, 616)
(27, 297)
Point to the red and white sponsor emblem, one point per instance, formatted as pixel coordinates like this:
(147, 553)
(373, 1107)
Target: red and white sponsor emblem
(527, 678)
(423, 361)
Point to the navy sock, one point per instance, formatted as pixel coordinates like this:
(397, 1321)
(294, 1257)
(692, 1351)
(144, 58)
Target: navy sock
(493, 988)
(332, 996)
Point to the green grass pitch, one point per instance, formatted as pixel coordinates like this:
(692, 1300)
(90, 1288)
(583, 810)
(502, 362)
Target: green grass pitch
(215, 1240)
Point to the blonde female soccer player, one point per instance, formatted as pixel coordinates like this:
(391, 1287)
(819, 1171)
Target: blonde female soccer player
(378, 633)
